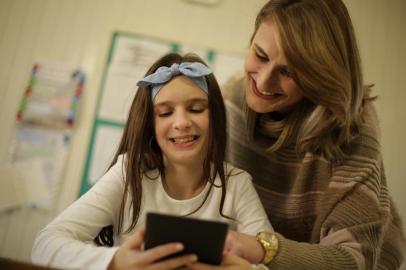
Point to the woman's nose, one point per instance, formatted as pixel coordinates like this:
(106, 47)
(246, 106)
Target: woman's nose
(266, 78)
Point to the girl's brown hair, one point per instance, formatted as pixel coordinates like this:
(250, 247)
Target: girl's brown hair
(143, 153)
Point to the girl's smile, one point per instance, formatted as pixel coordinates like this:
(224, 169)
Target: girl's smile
(184, 141)
(181, 118)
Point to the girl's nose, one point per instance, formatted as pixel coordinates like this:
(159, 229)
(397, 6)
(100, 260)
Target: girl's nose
(182, 121)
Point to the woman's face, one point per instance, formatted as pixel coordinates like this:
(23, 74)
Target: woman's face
(269, 85)
(181, 116)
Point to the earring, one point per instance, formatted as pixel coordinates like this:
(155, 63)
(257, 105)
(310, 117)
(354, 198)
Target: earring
(153, 145)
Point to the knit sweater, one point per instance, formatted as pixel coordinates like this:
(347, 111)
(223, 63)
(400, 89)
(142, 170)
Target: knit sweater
(327, 215)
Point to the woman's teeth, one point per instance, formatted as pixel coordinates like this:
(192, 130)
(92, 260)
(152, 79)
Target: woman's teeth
(266, 93)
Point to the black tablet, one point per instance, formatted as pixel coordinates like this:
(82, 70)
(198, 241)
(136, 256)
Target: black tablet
(201, 237)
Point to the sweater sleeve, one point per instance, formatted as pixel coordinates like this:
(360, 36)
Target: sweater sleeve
(360, 231)
(360, 228)
(67, 242)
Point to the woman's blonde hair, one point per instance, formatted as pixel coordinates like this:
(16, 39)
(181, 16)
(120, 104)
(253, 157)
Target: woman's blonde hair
(318, 40)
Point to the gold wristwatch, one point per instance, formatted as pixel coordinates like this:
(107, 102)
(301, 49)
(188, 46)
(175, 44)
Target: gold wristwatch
(269, 243)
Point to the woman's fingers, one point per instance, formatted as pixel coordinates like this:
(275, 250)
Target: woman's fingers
(230, 239)
(230, 262)
(245, 246)
(203, 266)
(229, 259)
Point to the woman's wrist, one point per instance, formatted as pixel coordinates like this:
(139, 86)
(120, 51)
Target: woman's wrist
(253, 250)
(270, 244)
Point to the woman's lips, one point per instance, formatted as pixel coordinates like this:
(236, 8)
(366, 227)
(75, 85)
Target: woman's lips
(263, 94)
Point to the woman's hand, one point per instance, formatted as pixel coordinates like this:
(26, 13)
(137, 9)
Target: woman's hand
(245, 246)
(230, 262)
(131, 256)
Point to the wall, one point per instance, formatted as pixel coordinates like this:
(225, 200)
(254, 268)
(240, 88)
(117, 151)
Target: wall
(78, 33)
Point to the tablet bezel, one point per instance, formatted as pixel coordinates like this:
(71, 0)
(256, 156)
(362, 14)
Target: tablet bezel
(205, 238)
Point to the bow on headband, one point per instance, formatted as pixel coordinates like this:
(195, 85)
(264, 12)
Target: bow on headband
(194, 71)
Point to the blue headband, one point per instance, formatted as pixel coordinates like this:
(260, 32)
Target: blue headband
(194, 71)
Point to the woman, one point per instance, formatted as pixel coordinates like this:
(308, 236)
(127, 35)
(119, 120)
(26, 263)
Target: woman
(302, 123)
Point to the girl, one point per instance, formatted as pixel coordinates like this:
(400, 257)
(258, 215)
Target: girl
(170, 160)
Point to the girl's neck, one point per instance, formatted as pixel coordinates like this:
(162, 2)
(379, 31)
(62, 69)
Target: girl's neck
(183, 182)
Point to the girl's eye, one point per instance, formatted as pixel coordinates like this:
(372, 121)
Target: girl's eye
(164, 114)
(197, 109)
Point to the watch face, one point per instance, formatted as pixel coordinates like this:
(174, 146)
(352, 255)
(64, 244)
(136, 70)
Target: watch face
(269, 242)
(266, 235)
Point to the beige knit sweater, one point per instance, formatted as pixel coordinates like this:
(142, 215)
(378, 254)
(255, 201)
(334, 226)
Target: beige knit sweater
(328, 216)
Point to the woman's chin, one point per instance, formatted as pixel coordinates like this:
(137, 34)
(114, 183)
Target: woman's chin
(258, 105)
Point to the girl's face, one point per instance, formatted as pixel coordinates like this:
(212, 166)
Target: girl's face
(181, 116)
(269, 86)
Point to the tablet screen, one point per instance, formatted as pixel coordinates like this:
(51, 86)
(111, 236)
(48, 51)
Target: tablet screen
(201, 237)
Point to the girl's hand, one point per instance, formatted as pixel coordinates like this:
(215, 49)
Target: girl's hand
(230, 262)
(245, 246)
(131, 256)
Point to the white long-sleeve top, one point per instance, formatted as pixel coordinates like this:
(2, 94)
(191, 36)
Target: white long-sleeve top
(67, 242)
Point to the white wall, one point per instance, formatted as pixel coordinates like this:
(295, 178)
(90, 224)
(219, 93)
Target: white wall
(78, 32)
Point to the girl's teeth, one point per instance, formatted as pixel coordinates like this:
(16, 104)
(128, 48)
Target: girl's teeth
(183, 140)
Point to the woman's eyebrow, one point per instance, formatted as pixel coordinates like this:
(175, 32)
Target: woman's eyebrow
(258, 48)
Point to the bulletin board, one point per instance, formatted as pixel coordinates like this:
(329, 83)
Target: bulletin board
(44, 125)
(130, 56)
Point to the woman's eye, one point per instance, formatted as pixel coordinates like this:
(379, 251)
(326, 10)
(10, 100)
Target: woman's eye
(261, 57)
(286, 72)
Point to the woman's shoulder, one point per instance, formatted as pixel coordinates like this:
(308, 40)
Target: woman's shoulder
(234, 89)
(367, 141)
(370, 120)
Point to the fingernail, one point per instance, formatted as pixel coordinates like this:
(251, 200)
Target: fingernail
(179, 246)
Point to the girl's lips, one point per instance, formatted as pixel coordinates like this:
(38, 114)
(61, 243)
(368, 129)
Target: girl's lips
(184, 141)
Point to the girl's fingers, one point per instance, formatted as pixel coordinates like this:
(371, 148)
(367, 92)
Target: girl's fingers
(136, 240)
(174, 263)
(151, 255)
